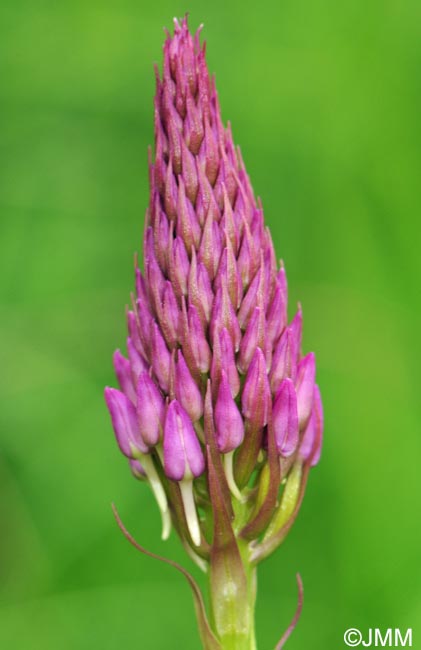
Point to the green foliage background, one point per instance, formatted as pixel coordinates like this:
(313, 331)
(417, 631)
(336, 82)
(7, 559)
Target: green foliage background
(324, 98)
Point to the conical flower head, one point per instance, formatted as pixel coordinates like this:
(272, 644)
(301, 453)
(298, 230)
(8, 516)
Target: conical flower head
(210, 310)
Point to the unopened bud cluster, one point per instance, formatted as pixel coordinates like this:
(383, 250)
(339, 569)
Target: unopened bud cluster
(215, 383)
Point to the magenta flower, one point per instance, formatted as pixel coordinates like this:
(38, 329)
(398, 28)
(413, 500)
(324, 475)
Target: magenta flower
(217, 409)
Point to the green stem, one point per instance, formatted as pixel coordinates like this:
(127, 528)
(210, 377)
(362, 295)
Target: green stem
(237, 632)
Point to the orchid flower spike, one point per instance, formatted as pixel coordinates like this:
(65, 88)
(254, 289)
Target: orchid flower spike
(218, 411)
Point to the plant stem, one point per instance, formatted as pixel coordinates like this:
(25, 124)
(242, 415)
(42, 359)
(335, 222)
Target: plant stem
(237, 630)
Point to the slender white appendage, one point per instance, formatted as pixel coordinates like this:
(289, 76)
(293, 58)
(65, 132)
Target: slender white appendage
(166, 524)
(186, 488)
(229, 473)
(159, 493)
(196, 559)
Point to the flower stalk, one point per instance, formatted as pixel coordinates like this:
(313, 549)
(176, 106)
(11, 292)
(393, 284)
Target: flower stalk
(218, 410)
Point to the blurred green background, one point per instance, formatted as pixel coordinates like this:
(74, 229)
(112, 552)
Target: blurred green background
(325, 100)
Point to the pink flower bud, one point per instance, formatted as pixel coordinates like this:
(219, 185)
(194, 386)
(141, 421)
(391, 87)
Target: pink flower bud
(210, 246)
(256, 392)
(200, 290)
(285, 418)
(135, 334)
(247, 265)
(311, 443)
(179, 267)
(277, 315)
(228, 421)
(254, 337)
(284, 361)
(250, 299)
(160, 357)
(137, 363)
(143, 324)
(189, 173)
(296, 327)
(187, 223)
(187, 391)
(183, 456)
(123, 417)
(306, 372)
(197, 341)
(223, 359)
(228, 274)
(124, 375)
(161, 236)
(206, 205)
(150, 409)
(141, 288)
(169, 315)
(223, 315)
